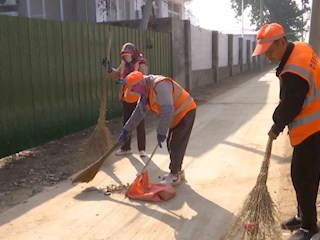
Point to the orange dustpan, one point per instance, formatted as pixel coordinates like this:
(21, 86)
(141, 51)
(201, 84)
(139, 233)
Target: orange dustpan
(142, 189)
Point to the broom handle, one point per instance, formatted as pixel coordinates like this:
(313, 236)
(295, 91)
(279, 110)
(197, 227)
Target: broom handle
(263, 175)
(149, 160)
(104, 83)
(111, 150)
(103, 104)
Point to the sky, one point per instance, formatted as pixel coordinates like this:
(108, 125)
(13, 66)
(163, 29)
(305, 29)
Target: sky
(216, 15)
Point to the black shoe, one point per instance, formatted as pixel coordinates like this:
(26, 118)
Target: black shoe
(303, 234)
(293, 223)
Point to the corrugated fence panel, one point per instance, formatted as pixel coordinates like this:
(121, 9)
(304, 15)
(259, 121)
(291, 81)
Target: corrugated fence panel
(80, 80)
(85, 71)
(113, 103)
(83, 76)
(24, 89)
(95, 84)
(95, 46)
(42, 83)
(6, 89)
(106, 34)
(35, 80)
(51, 76)
(55, 81)
(73, 89)
(58, 78)
(67, 71)
(4, 67)
(16, 112)
(158, 52)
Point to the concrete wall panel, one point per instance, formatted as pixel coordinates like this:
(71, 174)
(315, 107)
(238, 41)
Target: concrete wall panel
(223, 50)
(201, 48)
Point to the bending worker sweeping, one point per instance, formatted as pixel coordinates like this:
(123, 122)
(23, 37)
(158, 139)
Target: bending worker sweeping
(176, 110)
(299, 109)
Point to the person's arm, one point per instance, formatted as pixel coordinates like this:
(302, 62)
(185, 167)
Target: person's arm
(143, 68)
(114, 73)
(137, 115)
(293, 93)
(164, 91)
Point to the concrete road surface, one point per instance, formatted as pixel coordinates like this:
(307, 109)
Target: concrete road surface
(222, 163)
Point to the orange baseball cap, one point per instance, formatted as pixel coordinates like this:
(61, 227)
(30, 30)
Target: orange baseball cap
(267, 34)
(132, 79)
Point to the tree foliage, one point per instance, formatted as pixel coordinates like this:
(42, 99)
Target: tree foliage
(285, 12)
(106, 6)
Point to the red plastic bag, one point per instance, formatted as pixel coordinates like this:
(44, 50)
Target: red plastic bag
(142, 189)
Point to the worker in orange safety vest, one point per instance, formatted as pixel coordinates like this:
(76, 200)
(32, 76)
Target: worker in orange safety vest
(299, 110)
(131, 60)
(176, 109)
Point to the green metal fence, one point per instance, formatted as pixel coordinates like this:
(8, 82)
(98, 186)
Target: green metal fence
(50, 76)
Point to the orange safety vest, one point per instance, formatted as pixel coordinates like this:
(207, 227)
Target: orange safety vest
(182, 100)
(130, 97)
(304, 62)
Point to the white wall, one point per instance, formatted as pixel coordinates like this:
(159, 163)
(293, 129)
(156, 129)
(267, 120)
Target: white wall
(223, 50)
(252, 38)
(235, 50)
(163, 12)
(201, 48)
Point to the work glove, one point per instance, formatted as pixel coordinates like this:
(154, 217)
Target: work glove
(107, 65)
(121, 81)
(123, 135)
(160, 139)
(275, 131)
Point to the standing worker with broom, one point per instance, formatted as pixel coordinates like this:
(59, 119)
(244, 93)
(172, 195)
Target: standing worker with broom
(176, 110)
(132, 60)
(299, 109)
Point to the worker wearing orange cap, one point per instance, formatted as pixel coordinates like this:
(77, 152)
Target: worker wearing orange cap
(299, 110)
(176, 110)
(131, 60)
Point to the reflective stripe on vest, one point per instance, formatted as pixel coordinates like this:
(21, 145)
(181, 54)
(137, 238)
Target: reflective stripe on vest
(304, 62)
(304, 120)
(309, 99)
(177, 95)
(175, 98)
(178, 92)
(305, 74)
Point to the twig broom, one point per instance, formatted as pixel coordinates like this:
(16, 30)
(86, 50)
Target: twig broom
(258, 218)
(101, 140)
(90, 172)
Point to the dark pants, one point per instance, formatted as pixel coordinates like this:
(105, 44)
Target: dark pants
(127, 109)
(177, 141)
(305, 175)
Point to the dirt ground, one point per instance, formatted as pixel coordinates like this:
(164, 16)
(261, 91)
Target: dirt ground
(28, 172)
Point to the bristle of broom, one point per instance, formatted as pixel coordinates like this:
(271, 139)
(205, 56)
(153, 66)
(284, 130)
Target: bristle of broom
(101, 139)
(258, 218)
(88, 173)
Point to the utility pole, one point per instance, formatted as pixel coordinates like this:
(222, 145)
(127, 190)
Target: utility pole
(302, 32)
(146, 15)
(261, 13)
(242, 7)
(314, 39)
